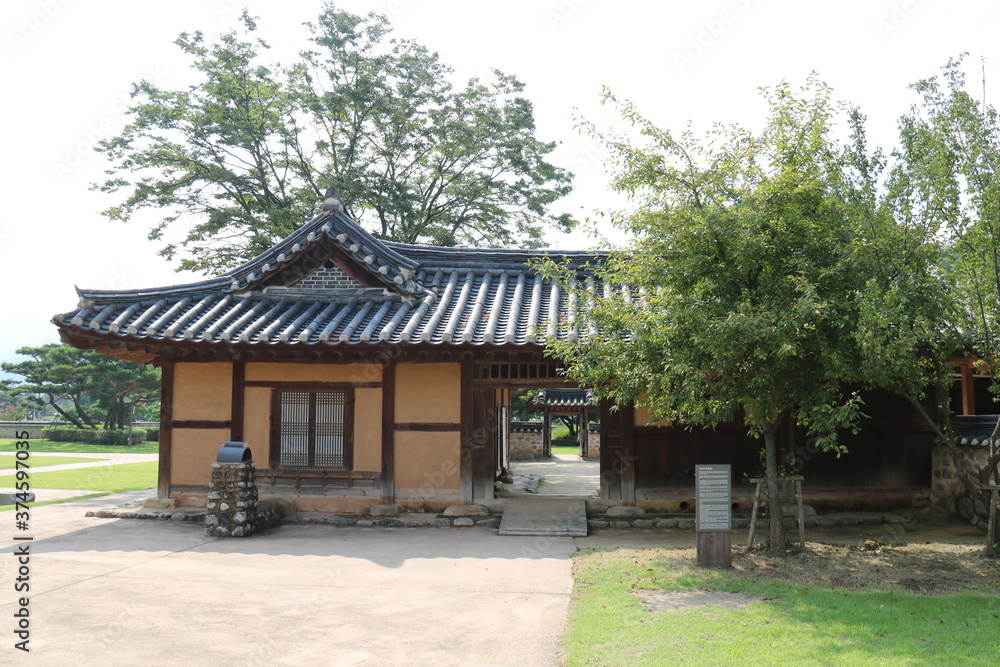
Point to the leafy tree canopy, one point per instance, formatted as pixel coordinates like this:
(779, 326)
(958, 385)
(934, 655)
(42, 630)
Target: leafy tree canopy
(765, 276)
(248, 151)
(90, 382)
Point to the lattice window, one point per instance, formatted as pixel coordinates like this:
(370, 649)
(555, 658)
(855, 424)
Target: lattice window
(517, 372)
(312, 429)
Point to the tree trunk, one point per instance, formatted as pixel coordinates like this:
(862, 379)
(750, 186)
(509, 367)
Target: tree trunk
(65, 414)
(777, 525)
(83, 413)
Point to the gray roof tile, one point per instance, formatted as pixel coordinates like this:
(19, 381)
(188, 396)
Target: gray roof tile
(440, 296)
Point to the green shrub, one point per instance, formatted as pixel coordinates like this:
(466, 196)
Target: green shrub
(93, 436)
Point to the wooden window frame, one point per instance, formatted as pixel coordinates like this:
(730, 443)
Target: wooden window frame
(312, 390)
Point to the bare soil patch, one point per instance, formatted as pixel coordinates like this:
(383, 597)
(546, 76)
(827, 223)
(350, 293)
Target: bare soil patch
(677, 600)
(927, 569)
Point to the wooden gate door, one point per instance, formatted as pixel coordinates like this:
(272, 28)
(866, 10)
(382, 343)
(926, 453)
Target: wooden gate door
(484, 438)
(617, 453)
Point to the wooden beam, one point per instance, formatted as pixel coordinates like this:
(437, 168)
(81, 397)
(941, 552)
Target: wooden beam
(239, 395)
(428, 426)
(166, 437)
(388, 432)
(309, 385)
(628, 454)
(201, 423)
(968, 390)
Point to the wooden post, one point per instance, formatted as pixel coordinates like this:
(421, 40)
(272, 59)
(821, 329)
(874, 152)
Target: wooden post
(389, 432)
(715, 550)
(465, 447)
(991, 528)
(239, 395)
(166, 428)
(753, 513)
(802, 521)
(968, 390)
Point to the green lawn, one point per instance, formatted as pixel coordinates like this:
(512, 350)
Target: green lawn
(795, 624)
(565, 449)
(7, 445)
(7, 461)
(113, 478)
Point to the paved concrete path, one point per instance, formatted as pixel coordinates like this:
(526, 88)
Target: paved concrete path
(106, 460)
(563, 475)
(127, 592)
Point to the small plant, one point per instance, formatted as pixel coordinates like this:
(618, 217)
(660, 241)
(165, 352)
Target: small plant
(871, 544)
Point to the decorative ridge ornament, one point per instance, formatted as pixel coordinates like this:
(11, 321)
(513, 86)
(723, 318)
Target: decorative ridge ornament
(331, 201)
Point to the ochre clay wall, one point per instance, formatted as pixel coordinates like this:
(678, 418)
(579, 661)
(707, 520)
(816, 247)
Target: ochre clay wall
(203, 391)
(193, 452)
(368, 429)
(642, 417)
(427, 462)
(428, 393)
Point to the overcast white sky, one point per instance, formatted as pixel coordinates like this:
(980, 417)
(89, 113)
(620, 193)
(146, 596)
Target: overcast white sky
(67, 67)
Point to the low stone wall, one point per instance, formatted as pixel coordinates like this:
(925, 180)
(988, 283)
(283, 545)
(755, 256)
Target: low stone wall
(944, 481)
(12, 429)
(526, 443)
(593, 441)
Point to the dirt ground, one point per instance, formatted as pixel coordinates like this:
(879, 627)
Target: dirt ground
(936, 556)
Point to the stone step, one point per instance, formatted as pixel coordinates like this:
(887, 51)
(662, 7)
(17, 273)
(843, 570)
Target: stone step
(535, 515)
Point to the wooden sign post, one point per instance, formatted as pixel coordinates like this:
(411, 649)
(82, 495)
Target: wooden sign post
(714, 515)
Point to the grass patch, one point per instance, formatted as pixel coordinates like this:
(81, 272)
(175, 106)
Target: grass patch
(113, 478)
(7, 445)
(565, 449)
(800, 619)
(8, 462)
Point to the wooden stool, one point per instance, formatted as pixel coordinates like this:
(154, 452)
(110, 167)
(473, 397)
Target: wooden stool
(759, 481)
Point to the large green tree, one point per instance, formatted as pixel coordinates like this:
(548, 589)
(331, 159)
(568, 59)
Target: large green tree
(247, 151)
(947, 178)
(96, 386)
(764, 277)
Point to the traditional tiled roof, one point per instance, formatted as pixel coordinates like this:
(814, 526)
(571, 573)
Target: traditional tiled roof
(974, 430)
(564, 398)
(404, 294)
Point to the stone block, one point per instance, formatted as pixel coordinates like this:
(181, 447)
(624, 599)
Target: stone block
(160, 503)
(467, 510)
(178, 516)
(442, 523)
(597, 523)
(642, 523)
(394, 509)
(463, 521)
(489, 523)
(620, 524)
(367, 523)
(666, 523)
(625, 511)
